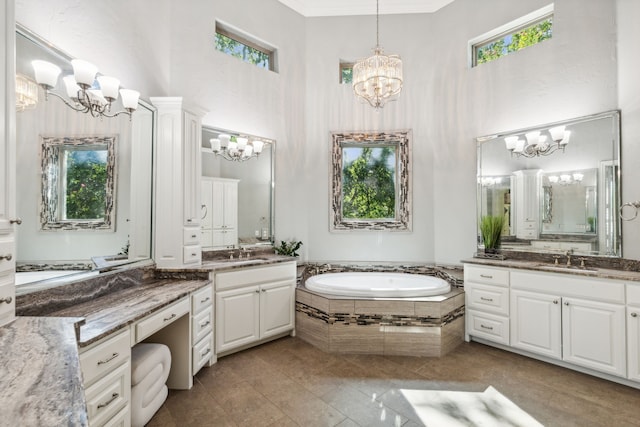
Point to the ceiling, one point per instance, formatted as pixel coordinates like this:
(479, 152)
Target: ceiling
(362, 7)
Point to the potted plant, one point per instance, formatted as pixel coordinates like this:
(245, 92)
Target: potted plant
(289, 248)
(491, 230)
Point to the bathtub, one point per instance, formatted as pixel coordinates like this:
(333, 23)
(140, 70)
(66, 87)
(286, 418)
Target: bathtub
(377, 285)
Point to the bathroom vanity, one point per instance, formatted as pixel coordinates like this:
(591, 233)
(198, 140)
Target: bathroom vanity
(581, 318)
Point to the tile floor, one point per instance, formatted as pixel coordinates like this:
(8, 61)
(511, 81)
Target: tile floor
(290, 383)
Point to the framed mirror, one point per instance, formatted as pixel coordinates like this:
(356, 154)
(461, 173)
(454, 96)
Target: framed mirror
(370, 181)
(65, 235)
(556, 185)
(238, 170)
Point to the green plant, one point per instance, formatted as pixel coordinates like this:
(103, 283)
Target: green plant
(289, 248)
(491, 229)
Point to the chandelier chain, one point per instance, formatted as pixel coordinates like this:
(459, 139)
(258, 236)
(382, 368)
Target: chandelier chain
(377, 23)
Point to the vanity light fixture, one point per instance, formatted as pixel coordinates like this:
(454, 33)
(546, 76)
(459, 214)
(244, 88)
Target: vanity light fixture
(537, 144)
(26, 93)
(378, 78)
(236, 151)
(566, 178)
(87, 95)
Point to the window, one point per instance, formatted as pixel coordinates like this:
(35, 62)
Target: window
(78, 183)
(244, 47)
(370, 181)
(517, 35)
(346, 72)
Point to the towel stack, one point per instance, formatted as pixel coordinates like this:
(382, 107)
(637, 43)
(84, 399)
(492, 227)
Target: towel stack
(150, 366)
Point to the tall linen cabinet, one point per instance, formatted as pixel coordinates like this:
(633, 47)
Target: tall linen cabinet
(177, 190)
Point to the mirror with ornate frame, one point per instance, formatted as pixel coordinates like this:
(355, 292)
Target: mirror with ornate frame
(56, 243)
(556, 185)
(255, 216)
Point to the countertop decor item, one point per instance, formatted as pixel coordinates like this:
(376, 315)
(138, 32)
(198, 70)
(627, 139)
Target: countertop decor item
(491, 229)
(289, 248)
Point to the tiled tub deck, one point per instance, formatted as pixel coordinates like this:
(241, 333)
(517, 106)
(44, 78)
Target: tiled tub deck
(429, 326)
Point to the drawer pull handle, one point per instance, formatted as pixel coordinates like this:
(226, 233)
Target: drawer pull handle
(15, 221)
(166, 319)
(207, 351)
(6, 300)
(109, 359)
(7, 257)
(555, 301)
(486, 276)
(193, 236)
(264, 290)
(114, 396)
(486, 299)
(193, 254)
(490, 328)
(189, 220)
(634, 314)
(566, 303)
(205, 324)
(257, 291)
(202, 301)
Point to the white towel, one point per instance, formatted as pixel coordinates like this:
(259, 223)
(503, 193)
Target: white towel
(144, 359)
(141, 413)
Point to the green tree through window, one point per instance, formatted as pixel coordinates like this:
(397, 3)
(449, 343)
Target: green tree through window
(368, 182)
(243, 51)
(514, 41)
(86, 179)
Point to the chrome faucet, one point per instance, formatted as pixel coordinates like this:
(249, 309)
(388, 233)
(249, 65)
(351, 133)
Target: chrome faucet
(568, 254)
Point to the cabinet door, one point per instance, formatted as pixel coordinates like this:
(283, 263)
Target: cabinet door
(231, 205)
(277, 307)
(191, 168)
(207, 204)
(217, 202)
(593, 335)
(633, 342)
(237, 317)
(536, 323)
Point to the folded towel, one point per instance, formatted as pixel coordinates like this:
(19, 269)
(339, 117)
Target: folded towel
(142, 413)
(145, 357)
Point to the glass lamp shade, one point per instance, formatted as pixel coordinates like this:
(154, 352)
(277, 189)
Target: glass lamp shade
(232, 147)
(510, 142)
(129, 98)
(46, 73)
(378, 79)
(578, 176)
(224, 139)
(567, 136)
(71, 86)
(553, 179)
(557, 133)
(248, 151)
(215, 144)
(519, 146)
(109, 87)
(96, 97)
(257, 146)
(532, 137)
(84, 72)
(242, 143)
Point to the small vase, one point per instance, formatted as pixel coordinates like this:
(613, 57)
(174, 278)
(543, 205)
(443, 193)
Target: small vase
(490, 250)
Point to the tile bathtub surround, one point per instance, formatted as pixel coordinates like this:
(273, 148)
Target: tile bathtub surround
(387, 327)
(41, 391)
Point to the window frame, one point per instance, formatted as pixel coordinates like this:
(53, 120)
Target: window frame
(509, 28)
(249, 41)
(403, 217)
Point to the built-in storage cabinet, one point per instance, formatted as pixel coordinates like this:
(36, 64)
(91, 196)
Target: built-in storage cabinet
(106, 372)
(633, 331)
(254, 304)
(177, 190)
(220, 213)
(7, 163)
(202, 328)
(527, 203)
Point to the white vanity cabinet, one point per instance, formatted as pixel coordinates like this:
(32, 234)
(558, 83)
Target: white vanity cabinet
(177, 190)
(220, 205)
(633, 331)
(106, 372)
(536, 322)
(201, 328)
(254, 304)
(487, 303)
(7, 163)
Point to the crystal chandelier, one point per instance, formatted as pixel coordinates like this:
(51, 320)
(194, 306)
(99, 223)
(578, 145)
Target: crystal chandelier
(236, 151)
(378, 79)
(536, 144)
(82, 89)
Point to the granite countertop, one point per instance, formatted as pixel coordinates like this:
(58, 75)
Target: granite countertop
(222, 264)
(40, 376)
(601, 273)
(107, 314)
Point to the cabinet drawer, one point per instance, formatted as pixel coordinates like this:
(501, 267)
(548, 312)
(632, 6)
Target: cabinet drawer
(251, 276)
(107, 396)
(159, 320)
(633, 294)
(202, 352)
(191, 236)
(494, 299)
(201, 324)
(7, 249)
(488, 326)
(104, 357)
(192, 254)
(206, 238)
(201, 299)
(121, 419)
(7, 301)
(487, 275)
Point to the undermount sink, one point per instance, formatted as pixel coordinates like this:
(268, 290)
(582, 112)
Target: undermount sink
(563, 267)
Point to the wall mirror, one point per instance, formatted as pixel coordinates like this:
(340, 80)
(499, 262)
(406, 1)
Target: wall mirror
(230, 155)
(556, 185)
(59, 241)
(370, 181)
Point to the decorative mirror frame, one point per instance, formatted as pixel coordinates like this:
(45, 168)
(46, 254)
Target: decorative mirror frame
(403, 217)
(50, 203)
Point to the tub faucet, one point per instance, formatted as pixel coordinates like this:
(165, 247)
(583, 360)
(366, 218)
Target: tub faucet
(568, 254)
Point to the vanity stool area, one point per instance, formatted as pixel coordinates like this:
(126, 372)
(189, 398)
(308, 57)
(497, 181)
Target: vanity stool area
(582, 319)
